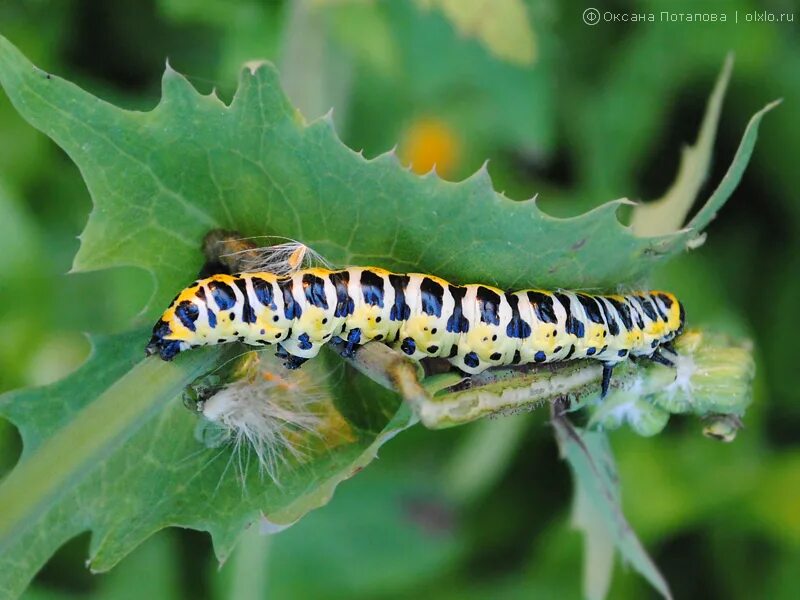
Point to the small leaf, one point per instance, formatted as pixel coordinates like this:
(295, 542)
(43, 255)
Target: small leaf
(589, 456)
(598, 544)
(668, 213)
(734, 173)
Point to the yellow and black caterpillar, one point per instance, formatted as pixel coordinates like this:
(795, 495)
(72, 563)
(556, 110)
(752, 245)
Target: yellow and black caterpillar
(473, 326)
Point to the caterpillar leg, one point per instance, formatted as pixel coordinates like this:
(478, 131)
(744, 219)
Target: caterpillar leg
(291, 361)
(294, 362)
(670, 345)
(353, 340)
(607, 369)
(661, 359)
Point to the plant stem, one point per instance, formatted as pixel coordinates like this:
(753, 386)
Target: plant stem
(248, 566)
(63, 460)
(503, 390)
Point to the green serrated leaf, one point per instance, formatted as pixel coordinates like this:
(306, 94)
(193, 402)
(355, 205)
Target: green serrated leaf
(124, 482)
(192, 163)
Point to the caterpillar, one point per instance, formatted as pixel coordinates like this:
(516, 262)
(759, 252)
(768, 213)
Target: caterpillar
(474, 326)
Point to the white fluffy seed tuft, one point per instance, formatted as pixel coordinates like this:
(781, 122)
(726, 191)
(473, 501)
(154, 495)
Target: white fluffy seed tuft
(267, 415)
(282, 259)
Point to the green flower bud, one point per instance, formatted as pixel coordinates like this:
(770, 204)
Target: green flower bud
(713, 376)
(628, 407)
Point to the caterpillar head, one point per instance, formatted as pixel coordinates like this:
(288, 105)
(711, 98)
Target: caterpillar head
(161, 342)
(175, 330)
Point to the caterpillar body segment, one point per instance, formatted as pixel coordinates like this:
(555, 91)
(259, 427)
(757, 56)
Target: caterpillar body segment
(473, 326)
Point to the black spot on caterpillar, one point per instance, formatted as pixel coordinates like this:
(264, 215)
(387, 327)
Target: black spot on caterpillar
(488, 305)
(248, 314)
(432, 294)
(314, 288)
(400, 311)
(263, 291)
(371, 288)
(344, 303)
(517, 327)
(222, 293)
(187, 313)
(457, 323)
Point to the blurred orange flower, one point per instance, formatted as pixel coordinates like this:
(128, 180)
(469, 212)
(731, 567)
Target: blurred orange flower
(428, 142)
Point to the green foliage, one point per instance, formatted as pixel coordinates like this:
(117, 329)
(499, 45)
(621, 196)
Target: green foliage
(193, 164)
(401, 516)
(125, 483)
(669, 212)
(597, 510)
(503, 27)
(615, 155)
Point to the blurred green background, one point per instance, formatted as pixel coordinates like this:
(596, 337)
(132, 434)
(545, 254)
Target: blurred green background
(578, 114)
